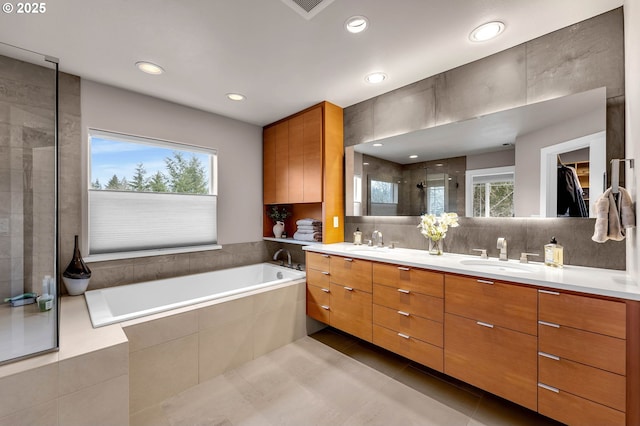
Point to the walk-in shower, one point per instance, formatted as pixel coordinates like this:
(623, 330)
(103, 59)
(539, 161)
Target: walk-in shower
(28, 203)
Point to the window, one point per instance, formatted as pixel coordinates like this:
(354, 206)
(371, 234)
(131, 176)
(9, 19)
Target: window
(147, 194)
(490, 192)
(384, 192)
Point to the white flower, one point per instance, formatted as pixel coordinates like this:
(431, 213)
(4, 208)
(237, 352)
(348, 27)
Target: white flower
(434, 227)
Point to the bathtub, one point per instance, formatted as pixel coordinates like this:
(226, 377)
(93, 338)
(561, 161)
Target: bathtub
(116, 304)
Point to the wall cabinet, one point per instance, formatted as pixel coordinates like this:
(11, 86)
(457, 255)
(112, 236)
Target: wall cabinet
(303, 168)
(572, 357)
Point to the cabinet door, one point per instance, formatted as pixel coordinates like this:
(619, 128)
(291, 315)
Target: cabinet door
(318, 261)
(409, 324)
(413, 279)
(282, 162)
(501, 361)
(296, 160)
(407, 301)
(312, 152)
(408, 346)
(351, 311)
(573, 410)
(319, 303)
(269, 165)
(506, 305)
(351, 272)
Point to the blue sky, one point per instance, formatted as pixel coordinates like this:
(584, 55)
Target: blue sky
(110, 157)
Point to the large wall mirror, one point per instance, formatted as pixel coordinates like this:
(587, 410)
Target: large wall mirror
(546, 159)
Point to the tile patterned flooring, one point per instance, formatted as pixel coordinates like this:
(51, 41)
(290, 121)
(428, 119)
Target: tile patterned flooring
(330, 378)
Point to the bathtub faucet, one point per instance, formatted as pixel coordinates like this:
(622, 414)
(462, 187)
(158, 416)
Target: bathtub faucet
(275, 257)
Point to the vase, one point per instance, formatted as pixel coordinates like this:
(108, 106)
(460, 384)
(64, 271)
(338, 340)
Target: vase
(76, 276)
(278, 229)
(436, 246)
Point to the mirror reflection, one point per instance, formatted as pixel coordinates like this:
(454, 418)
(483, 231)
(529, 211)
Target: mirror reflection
(517, 162)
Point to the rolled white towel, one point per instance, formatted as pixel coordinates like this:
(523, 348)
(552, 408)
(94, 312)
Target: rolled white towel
(309, 231)
(309, 228)
(308, 237)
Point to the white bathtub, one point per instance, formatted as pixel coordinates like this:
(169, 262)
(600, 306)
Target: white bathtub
(117, 304)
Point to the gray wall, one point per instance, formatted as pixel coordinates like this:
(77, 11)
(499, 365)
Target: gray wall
(581, 57)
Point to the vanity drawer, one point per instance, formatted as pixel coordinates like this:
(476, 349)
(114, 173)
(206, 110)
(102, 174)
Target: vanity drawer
(407, 301)
(351, 311)
(318, 261)
(505, 305)
(355, 273)
(321, 313)
(409, 347)
(318, 295)
(407, 278)
(409, 324)
(318, 278)
(584, 381)
(604, 352)
(573, 410)
(586, 313)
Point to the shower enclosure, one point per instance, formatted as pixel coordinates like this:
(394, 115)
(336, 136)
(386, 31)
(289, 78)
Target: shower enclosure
(28, 203)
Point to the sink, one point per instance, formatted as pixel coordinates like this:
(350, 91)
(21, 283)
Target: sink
(500, 266)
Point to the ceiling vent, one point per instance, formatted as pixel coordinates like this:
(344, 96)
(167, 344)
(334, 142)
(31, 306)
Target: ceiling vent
(307, 8)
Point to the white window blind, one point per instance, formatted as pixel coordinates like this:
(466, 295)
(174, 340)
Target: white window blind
(132, 221)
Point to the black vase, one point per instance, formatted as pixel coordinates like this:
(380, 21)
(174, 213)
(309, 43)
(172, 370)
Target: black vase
(77, 269)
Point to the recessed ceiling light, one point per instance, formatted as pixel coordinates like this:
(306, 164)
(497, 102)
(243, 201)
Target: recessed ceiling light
(413, 156)
(365, 164)
(356, 24)
(487, 31)
(377, 144)
(236, 96)
(438, 164)
(149, 68)
(375, 77)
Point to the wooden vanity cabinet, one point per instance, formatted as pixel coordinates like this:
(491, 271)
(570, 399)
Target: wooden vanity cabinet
(339, 293)
(408, 308)
(582, 359)
(490, 337)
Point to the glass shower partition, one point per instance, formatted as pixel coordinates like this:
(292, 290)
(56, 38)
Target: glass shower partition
(29, 319)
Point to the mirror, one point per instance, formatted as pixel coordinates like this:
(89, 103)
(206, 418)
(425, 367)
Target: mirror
(503, 164)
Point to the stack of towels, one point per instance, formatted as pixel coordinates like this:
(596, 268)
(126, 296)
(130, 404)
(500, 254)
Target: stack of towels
(308, 230)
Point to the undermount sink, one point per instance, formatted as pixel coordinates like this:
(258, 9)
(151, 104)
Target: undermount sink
(497, 265)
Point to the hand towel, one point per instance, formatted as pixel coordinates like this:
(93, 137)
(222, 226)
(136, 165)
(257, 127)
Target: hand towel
(613, 216)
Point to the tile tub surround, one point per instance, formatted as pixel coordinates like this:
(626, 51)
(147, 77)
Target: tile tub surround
(522, 234)
(101, 375)
(86, 381)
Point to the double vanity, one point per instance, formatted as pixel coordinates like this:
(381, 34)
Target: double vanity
(562, 342)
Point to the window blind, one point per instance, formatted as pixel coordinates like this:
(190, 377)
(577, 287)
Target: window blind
(132, 221)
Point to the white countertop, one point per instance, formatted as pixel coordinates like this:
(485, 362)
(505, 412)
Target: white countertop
(598, 281)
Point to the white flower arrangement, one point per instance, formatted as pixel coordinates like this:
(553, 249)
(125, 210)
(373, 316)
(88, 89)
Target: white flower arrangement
(435, 227)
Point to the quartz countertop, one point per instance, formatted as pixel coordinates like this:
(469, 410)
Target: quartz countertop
(596, 281)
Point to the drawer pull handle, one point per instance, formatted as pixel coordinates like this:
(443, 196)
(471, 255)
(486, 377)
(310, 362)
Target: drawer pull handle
(549, 388)
(325, 273)
(348, 288)
(555, 293)
(546, 355)
(406, 314)
(348, 259)
(484, 324)
(404, 291)
(402, 268)
(326, 290)
(325, 255)
(485, 282)
(549, 324)
(325, 307)
(404, 336)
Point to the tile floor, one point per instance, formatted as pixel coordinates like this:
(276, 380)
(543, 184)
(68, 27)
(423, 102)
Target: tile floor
(334, 379)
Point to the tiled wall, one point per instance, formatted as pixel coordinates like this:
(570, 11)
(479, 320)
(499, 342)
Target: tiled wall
(522, 234)
(581, 57)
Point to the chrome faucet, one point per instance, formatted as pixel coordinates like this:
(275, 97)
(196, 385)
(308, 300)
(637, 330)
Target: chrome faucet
(275, 257)
(376, 238)
(502, 245)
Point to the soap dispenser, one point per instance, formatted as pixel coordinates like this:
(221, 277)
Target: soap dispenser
(357, 237)
(553, 254)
